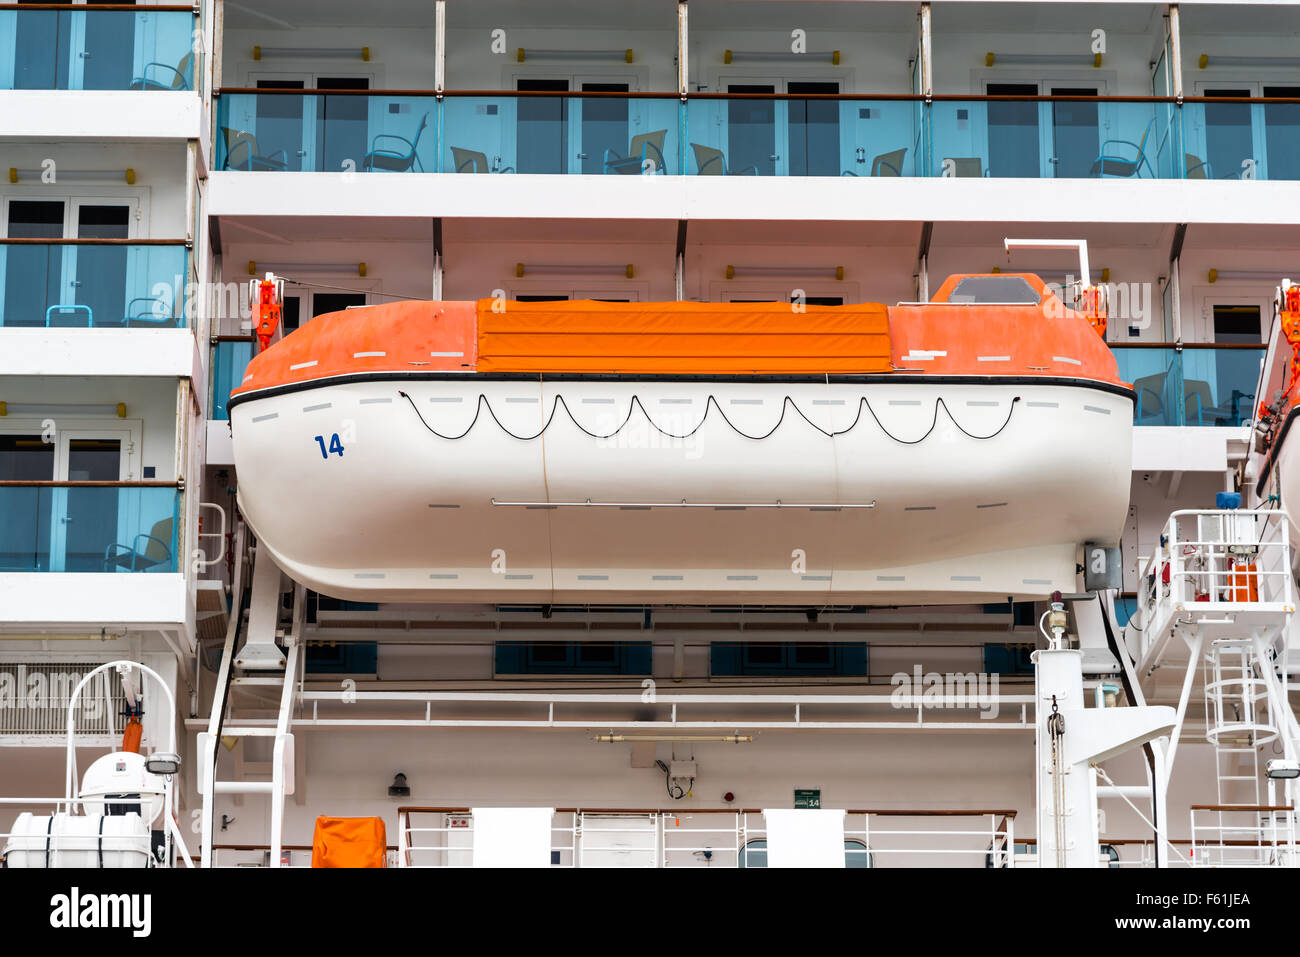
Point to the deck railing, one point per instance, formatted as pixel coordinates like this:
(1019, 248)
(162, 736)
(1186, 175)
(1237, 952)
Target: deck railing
(719, 837)
(1230, 835)
(755, 134)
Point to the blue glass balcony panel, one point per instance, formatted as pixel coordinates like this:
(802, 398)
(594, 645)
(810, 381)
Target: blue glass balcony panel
(624, 136)
(115, 285)
(88, 529)
(229, 360)
(1219, 385)
(1057, 139)
(1234, 139)
(1197, 386)
(81, 47)
(326, 132)
(742, 136)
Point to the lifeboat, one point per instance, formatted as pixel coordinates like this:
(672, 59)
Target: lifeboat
(1276, 452)
(958, 450)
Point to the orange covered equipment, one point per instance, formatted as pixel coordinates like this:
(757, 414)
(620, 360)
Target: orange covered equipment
(682, 337)
(349, 842)
(132, 733)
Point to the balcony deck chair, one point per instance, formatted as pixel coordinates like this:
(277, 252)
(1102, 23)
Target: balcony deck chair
(1198, 404)
(1108, 164)
(1198, 168)
(242, 153)
(179, 79)
(394, 160)
(156, 551)
(71, 309)
(144, 311)
(964, 167)
(1149, 390)
(472, 161)
(714, 163)
(886, 164)
(644, 146)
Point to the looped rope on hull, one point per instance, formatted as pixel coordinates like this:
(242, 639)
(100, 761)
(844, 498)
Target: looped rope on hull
(710, 404)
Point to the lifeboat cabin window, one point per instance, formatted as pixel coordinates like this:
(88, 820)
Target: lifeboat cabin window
(573, 658)
(994, 289)
(787, 659)
(754, 854)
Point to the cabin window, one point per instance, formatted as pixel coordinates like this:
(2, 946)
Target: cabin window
(856, 855)
(994, 289)
(573, 658)
(787, 659)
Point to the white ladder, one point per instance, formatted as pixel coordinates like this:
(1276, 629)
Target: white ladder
(263, 635)
(1239, 718)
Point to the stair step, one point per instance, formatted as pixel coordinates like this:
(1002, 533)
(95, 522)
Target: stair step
(242, 680)
(268, 732)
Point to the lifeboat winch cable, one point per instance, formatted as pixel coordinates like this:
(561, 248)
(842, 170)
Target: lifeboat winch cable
(710, 403)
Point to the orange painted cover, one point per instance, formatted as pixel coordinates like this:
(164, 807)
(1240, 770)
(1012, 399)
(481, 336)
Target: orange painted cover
(349, 842)
(415, 336)
(681, 337)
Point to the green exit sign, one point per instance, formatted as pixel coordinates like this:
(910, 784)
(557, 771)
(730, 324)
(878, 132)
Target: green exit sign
(808, 798)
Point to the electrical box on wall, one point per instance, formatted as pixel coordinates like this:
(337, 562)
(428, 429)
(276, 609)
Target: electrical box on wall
(682, 770)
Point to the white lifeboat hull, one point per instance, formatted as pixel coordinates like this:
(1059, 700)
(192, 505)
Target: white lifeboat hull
(981, 489)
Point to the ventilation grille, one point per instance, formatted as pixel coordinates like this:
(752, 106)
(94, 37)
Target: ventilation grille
(34, 699)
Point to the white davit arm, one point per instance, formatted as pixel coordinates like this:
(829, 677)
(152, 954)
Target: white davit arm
(1085, 277)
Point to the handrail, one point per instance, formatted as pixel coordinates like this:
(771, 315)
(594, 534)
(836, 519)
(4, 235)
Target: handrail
(178, 484)
(1181, 346)
(27, 241)
(879, 812)
(677, 95)
(1240, 807)
(283, 847)
(169, 7)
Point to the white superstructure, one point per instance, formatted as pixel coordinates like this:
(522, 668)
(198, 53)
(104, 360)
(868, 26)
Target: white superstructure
(154, 160)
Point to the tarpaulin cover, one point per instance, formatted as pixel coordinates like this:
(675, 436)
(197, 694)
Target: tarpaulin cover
(349, 842)
(681, 337)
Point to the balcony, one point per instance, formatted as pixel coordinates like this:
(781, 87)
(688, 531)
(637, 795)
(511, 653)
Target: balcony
(105, 527)
(1242, 138)
(758, 134)
(1061, 137)
(341, 131)
(92, 283)
(1193, 385)
(89, 48)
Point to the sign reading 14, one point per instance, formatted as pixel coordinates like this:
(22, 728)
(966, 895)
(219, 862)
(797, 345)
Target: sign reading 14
(335, 446)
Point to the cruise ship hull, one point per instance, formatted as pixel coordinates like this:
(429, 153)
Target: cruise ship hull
(599, 489)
